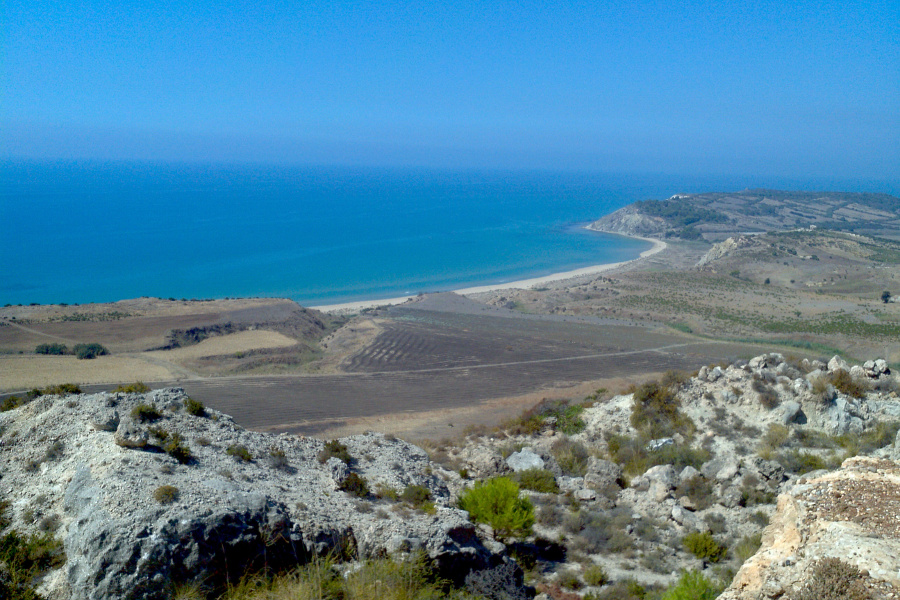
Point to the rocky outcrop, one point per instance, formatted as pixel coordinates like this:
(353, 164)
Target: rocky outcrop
(852, 514)
(145, 495)
(726, 248)
(630, 221)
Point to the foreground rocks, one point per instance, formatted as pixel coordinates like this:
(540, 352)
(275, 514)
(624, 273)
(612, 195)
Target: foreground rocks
(136, 520)
(852, 514)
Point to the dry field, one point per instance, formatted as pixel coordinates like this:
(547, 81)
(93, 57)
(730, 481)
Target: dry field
(24, 372)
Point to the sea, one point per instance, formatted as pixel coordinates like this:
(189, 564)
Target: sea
(80, 232)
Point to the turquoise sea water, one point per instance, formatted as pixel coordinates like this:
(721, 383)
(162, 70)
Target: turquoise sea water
(97, 232)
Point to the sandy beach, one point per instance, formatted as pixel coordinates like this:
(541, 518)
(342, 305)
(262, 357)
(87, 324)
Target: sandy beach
(350, 307)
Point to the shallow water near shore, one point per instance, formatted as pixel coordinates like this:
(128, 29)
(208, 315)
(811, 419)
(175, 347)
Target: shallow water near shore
(100, 232)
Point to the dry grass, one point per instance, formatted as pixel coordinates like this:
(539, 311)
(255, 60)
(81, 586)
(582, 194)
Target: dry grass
(26, 372)
(242, 341)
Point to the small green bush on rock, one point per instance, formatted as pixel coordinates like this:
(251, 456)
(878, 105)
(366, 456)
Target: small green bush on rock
(595, 575)
(194, 407)
(355, 486)
(240, 452)
(138, 387)
(692, 585)
(177, 449)
(335, 449)
(704, 546)
(497, 503)
(145, 413)
(166, 494)
(833, 579)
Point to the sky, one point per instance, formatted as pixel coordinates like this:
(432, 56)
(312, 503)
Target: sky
(789, 88)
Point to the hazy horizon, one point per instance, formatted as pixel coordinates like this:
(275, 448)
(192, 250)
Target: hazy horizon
(767, 89)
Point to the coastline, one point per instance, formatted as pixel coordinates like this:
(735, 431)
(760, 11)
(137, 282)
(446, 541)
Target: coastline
(351, 307)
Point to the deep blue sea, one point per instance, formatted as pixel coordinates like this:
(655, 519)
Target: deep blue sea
(98, 232)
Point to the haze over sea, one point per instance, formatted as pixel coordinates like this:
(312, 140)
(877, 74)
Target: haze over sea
(100, 232)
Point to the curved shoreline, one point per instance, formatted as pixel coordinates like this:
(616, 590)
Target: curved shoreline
(349, 307)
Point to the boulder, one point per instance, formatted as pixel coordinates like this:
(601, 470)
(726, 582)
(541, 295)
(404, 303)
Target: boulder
(130, 435)
(838, 364)
(789, 411)
(664, 474)
(654, 445)
(524, 459)
(602, 474)
(105, 419)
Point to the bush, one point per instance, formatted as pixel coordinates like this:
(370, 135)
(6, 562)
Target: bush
(166, 494)
(497, 503)
(63, 389)
(145, 413)
(25, 558)
(767, 396)
(240, 452)
(88, 351)
(628, 589)
(12, 402)
(538, 480)
(692, 585)
(417, 495)
(805, 462)
(355, 486)
(656, 412)
(335, 449)
(278, 459)
(595, 575)
(54, 349)
(833, 579)
(194, 407)
(704, 546)
(177, 449)
(138, 387)
(844, 383)
(635, 458)
(569, 580)
(503, 582)
(572, 457)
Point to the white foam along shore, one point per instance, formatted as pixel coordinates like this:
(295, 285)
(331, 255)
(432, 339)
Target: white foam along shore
(350, 307)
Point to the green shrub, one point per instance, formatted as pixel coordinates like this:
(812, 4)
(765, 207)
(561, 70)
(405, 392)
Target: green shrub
(595, 575)
(629, 589)
(704, 546)
(194, 407)
(692, 585)
(417, 495)
(62, 389)
(844, 383)
(833, 579)
(800, 463)
(635, 458)
(177, 449)
(355, 486)
(53, 349)
(25, 558)
(166, 494)
(656, 412)
(775, 437)
(497, 503)
(12, 402)
(335, 449)
(538, 480)
(240, 452)
(572, 457)
(88, 351)
(138, 387)
(145, 413)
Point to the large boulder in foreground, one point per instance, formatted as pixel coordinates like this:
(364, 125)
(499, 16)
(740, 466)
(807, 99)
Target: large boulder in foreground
(851, 515)
(137, 519)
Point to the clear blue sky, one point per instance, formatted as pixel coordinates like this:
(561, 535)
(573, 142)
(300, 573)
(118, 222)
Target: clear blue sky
(768, 87)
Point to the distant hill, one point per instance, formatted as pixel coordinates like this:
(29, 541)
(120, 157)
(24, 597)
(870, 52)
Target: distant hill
(717, 216)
